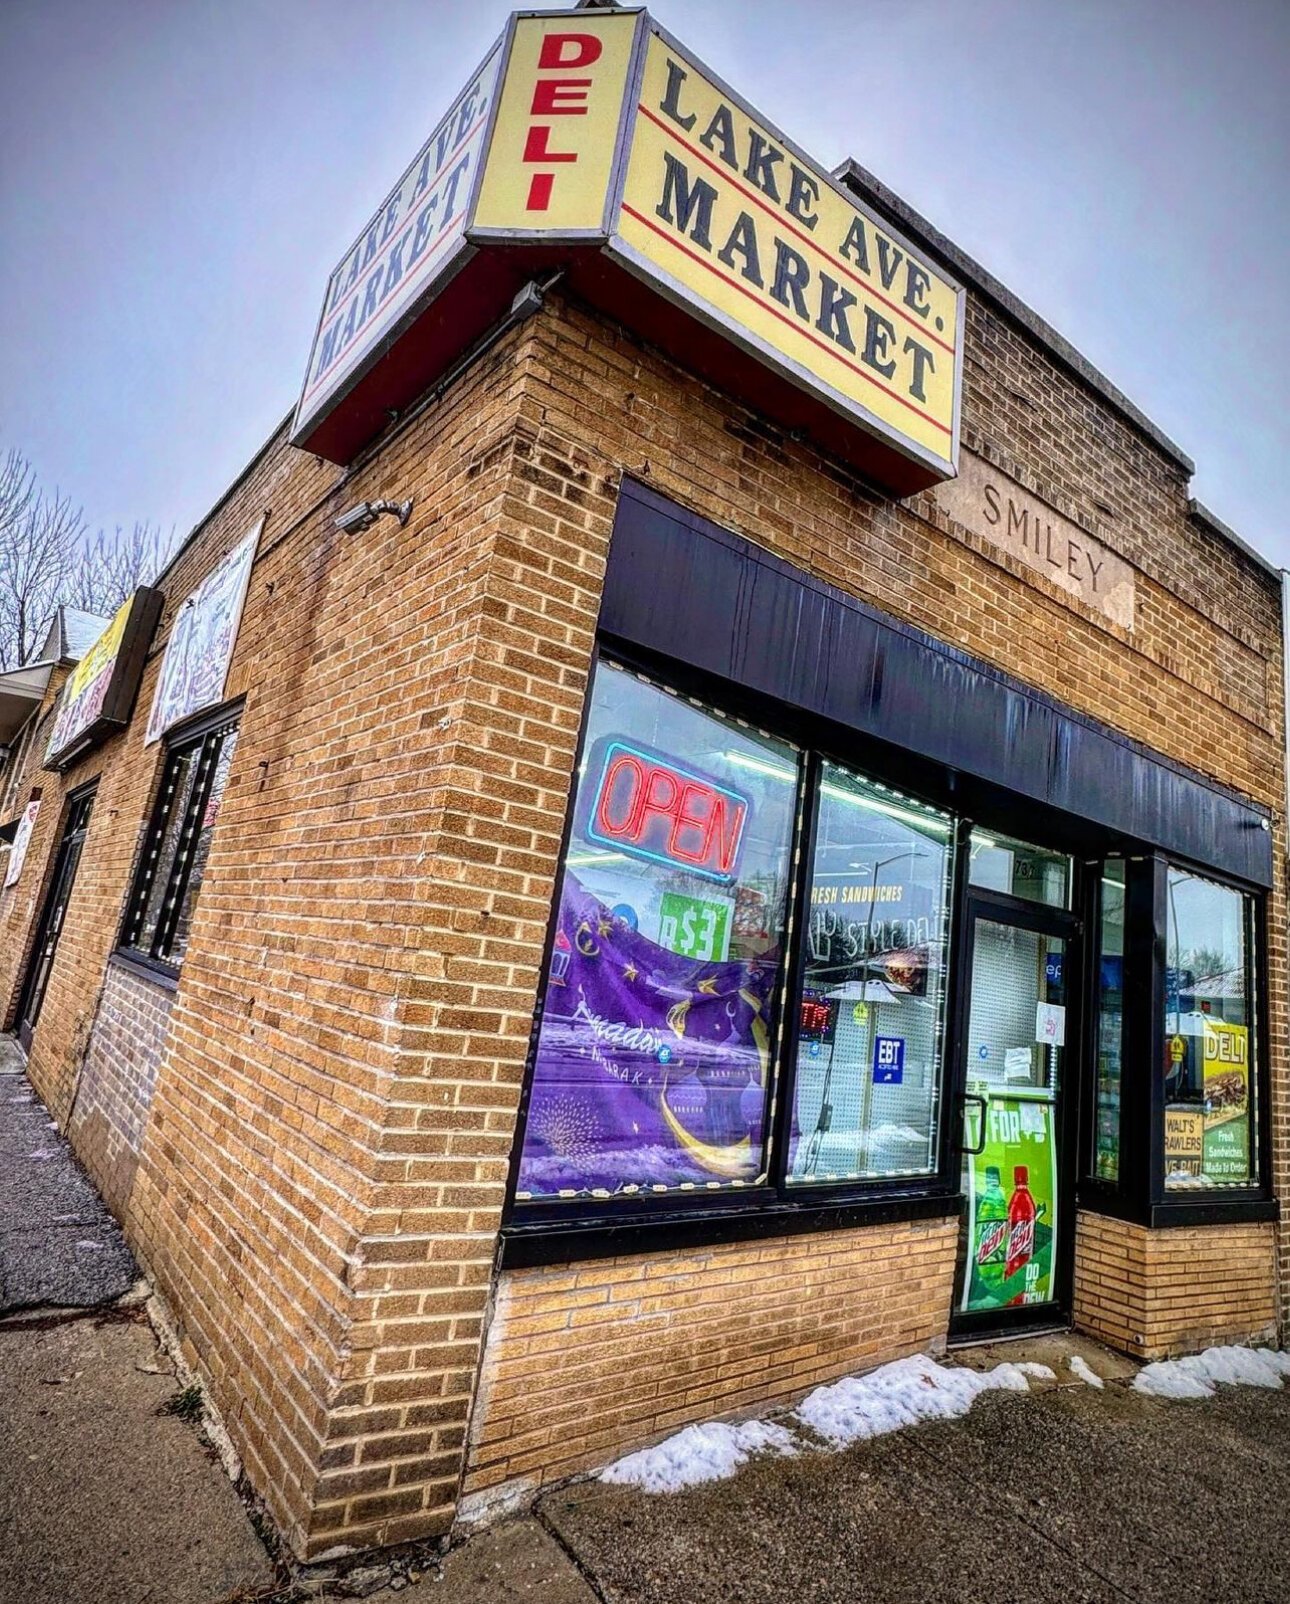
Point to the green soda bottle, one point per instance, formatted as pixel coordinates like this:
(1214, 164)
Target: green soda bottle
(991, 1246)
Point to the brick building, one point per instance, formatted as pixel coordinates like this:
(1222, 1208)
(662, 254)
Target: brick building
(742, 879)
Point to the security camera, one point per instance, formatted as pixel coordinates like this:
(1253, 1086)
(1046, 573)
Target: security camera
(360, 516)
(365, 513)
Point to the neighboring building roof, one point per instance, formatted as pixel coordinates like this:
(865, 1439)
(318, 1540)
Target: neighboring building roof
(21, 690)
(80, 631)
(70, 635)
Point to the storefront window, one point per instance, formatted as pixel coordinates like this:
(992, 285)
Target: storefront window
(1001, 864)
(1110, 1023)
(1208, 1068)
(652, 1066)
(868, 1042)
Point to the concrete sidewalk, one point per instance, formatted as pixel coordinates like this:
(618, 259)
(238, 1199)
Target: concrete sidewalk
(1063, 1495)
(103, 1493)
(1059, 1495)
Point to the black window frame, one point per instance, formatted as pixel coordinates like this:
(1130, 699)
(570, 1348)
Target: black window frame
(1139, 1195)
(551, 1231)
(207, 734)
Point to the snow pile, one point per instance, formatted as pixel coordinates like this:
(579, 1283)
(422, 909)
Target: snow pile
(905, 1393)
(900, 1394)
(1196, 1376)
(710, 1452)
(1085, 1371)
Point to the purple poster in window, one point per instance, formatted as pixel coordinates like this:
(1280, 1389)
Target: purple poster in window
(651, 1067)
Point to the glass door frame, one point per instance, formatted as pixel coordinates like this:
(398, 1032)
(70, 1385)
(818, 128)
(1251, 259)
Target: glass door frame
(53, 913)
(1068, 927)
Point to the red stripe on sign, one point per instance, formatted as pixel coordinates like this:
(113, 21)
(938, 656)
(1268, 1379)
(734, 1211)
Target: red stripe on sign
(403, 226)
(806, 334)
(758, 199)
(417, 268)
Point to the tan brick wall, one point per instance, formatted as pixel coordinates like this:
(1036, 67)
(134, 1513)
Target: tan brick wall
(118, 1077)
(20, 904)
(322, 1175)
(586, 1362)
(1159, 1293)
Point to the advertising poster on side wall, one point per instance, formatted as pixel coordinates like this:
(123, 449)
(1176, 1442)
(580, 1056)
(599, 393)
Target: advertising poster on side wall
(1227, 1101)
(195, 667)
(21, 841)
(87, 684)
(1012, 1205)
(100, 691)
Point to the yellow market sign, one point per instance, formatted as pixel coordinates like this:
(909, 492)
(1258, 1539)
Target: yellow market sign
(592, 142)
(753, 234)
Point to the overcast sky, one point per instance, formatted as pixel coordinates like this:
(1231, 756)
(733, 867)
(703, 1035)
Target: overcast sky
(179, 177)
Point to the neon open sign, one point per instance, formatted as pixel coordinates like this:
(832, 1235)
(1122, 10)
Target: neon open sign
(649, 807)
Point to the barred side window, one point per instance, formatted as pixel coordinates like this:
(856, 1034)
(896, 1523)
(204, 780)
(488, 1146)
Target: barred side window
(169, 874)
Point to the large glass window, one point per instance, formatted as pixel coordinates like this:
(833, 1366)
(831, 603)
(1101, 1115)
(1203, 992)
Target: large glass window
(1000, 863)
(177, 844)
(869, 1040)
(1209, 1068)
(652, 1066)
(1110, 1023)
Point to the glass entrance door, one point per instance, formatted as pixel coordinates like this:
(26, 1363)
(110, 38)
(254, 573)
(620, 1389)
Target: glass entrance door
(52, 916)
(1017, 1036)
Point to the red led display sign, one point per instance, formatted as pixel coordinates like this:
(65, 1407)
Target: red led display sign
(816, 1020)
(650, 807)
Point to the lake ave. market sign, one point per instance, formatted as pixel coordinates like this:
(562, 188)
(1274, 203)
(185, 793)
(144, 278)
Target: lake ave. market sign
(591, 142)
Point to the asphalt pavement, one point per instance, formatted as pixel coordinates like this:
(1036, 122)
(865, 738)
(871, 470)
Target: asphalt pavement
(105, 1492)
(59, 1246)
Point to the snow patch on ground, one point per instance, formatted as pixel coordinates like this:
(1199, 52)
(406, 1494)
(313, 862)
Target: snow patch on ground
(710, 1452)
(1197, 1375)
(1085, 1371)
(901, 1394)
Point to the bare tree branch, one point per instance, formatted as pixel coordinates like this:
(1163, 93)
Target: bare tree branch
(17, 488)
(109, 567)
(49, 559)
(37, 549)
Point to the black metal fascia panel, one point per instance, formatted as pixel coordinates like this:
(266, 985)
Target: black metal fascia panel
(682, 587)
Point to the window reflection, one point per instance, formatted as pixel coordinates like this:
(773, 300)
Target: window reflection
(1208, 1069)
(1000, 863)
(868, 1049)
(652, 1068)
(1110, 1022)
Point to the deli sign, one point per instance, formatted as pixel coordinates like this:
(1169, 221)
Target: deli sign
(591, 142)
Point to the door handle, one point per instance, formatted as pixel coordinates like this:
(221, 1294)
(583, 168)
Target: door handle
(971, 1097)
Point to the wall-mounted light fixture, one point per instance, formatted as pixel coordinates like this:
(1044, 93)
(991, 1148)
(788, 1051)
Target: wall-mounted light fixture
(365, 513)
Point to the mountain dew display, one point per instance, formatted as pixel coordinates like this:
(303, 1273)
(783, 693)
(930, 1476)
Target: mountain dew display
(1012, 1204)
(990, 1233)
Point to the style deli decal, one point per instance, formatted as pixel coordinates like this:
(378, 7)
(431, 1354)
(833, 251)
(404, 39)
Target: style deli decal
(597, 134)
